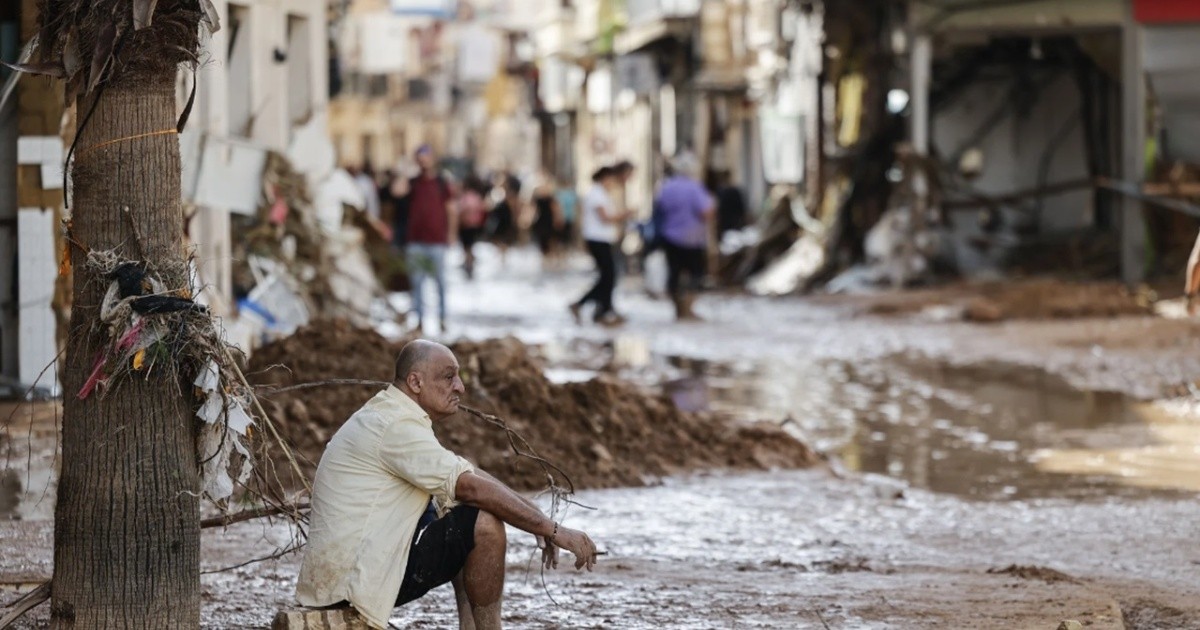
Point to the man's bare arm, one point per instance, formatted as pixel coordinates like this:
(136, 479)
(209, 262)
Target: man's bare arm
(486, 475)
(483, 491)
(486, 493)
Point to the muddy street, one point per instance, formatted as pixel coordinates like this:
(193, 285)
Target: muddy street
(1008, 475)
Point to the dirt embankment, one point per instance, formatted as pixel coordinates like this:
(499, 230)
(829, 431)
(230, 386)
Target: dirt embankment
(1043, 298)
(603, 433)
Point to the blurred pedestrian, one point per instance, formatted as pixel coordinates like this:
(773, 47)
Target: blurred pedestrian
(432, 225)
(397, 194)
(502, 220)
(547, 219)
(687, 210)
(600, 226)
(389, 201)
(731, 205)
(472, 214)
(568, 203)
(623, 171)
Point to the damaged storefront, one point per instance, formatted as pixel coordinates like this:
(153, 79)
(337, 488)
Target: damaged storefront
(962, 139)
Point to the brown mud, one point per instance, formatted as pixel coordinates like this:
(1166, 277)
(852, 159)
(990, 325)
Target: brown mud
(1042, 298)
(603, 433)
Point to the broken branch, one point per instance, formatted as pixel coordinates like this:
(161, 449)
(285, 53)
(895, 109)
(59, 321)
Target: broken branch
(25, 603)
(246, 515)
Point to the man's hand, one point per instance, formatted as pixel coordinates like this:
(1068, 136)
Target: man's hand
(577, 543)
(549, 553)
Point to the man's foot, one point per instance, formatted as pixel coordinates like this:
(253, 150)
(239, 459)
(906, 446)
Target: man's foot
(575, 313)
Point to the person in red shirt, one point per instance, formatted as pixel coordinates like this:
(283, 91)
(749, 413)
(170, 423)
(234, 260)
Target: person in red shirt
(432, 225)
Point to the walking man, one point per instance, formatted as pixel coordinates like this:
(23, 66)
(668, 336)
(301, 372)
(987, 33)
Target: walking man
(432, 224)
(373, 542)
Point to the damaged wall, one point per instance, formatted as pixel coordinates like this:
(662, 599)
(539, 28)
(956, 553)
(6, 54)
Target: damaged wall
(1015, 150)
(262, 76)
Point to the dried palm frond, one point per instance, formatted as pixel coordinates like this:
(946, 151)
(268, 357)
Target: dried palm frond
(88, 42)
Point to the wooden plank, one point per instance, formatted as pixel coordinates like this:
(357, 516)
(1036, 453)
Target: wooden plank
(319, 619)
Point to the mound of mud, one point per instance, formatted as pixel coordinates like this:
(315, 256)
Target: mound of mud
(603, 433)
(1043, 298)
(1054, 299)
(321, 351)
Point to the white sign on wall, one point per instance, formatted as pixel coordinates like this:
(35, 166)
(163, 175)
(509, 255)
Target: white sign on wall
(230, 175)
(378, 43)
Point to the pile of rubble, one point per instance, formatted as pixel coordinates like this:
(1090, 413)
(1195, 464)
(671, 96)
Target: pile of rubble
(303, 255)
(602, 433)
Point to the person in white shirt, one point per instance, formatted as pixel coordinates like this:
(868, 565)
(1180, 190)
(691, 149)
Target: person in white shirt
(600, 226)
(372, 542)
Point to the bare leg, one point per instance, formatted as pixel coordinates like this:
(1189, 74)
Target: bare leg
(483, 575)
(466, 620)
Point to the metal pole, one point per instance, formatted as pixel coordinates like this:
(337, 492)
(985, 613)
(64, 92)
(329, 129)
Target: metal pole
(1133, 143)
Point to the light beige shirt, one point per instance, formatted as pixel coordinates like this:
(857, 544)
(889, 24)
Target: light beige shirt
(373, 483)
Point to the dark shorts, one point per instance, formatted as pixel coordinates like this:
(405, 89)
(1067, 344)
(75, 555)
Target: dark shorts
(438, 553)
(469, 236)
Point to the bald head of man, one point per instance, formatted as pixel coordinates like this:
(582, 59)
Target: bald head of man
(428, 373)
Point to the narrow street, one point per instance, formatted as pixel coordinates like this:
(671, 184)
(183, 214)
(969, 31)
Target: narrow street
(958, 518)
(955, 494)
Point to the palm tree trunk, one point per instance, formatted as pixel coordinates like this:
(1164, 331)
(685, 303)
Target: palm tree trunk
(127, 527)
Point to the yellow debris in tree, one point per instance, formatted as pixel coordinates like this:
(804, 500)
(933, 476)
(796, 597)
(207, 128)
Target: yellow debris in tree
(139, 359)
(64, 266)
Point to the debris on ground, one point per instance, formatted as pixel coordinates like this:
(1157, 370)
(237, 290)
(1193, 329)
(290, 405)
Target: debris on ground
(302, 256)
(603, 433)
(1030, 572)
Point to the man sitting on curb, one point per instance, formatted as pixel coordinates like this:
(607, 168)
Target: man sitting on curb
(371, 542)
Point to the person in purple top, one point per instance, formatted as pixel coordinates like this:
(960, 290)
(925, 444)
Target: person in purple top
(686, 211)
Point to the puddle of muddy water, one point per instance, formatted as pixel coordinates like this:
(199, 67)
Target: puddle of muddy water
(985, 431)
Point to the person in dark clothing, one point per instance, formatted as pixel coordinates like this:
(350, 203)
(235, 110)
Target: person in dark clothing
(547, 220)
(731, 205)
(544, 220)
(502, 220)
(397, 195)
